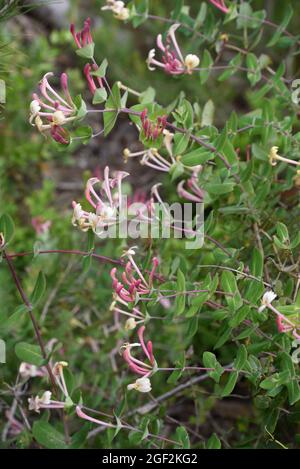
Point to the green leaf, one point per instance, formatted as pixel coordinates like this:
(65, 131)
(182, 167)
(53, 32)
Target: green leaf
(241, 358)
(29, 353)
(39, 289)
(196, 157)
(46, 435)
(257, 263)
(113, 103)
(100, 96)
(181, 142)
(210, 361)
(84, 133)
(206, 63)
(101, 70)
(87, 51)
(219, 189)
(7, 227)
(180, 298)
(230, 384)
(229, 285)
(81, 107)
(208, 114)
(213, 442)
(288, 14)
(182, 437)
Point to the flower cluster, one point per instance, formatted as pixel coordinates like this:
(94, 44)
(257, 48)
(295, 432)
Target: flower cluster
(107, 202)
(83, 37)
(195, 193)
(133, 283)
(152, 130)
(118, 8)
(51, 111)
(172, 62)
(45, 401)
(144, 368)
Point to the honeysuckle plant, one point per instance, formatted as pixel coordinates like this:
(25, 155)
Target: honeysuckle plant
(220, 131)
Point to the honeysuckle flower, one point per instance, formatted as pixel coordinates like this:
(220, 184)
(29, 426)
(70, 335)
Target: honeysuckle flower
(51, 111)
(220, 4)
(40, 225)
(44, 402)
(2, 241)
(191, 61)
(144, 368)
(267, 299)
(131, 287)
(118, 8)
(149, 157)
(168, 139)
(196, 194)
(274, 158)
(141, 385)
(107, 203)
(172, 58)
(281, 325)
(135, 316)
(92, 80)
(152, 130)
(130, 324)
(58, 373)
(26, 370)
(83, 37)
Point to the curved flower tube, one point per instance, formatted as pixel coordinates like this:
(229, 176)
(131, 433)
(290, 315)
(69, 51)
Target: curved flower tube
(51, 111)
(107, 203)
(172, 61)
(83, 37)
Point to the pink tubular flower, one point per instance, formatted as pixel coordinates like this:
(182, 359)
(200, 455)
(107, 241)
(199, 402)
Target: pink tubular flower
(283, 326)
(196, 194)
(131, 287)
(51, 111)
(220, 4)
(172, 62)
(107, 203)
(40, 225)
(137, 366)
(83, 37)
(90, 80)
(152, 130)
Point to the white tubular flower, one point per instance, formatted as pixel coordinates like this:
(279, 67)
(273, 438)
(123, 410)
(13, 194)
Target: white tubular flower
(118, 8)
(150, 58)
(58, 118)
(273, 156)
(34, 110)
(46, 397)
(77, 214)
(191, 61)
(35, 403)
(27, 370)
(2, 241)
(130, 324)
(141, 385)
(267, 299)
